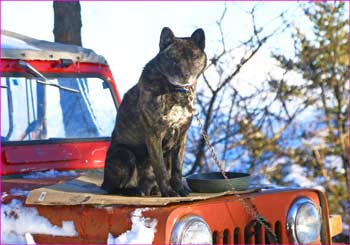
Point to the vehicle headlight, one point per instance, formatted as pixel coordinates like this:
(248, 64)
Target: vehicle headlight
(303, 222)
(191, 230)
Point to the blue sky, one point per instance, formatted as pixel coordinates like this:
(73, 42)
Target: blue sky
(127, 33)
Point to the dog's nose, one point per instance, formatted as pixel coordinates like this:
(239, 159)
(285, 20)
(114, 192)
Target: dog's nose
(186, 75)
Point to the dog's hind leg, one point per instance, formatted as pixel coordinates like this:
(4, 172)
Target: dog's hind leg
(120, 172)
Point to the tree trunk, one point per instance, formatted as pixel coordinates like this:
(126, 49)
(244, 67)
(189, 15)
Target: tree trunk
(67, 21)
(78, 121)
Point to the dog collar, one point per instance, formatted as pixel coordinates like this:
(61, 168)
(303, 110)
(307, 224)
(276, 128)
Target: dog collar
(181, 90)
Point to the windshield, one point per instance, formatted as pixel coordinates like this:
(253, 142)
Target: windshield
(32, 111)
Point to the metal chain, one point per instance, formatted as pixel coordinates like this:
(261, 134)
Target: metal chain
(246, 202)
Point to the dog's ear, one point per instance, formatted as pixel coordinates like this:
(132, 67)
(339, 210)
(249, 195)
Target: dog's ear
(199, 38)
(166, 38)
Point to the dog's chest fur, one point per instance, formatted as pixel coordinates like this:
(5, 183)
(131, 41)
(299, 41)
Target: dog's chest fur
(176, 109)
(176, 117)
(170, 113)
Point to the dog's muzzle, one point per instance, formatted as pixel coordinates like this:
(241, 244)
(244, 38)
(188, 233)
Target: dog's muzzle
(177, 82)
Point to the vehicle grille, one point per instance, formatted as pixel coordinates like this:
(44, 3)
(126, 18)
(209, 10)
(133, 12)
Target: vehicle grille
(252, 233)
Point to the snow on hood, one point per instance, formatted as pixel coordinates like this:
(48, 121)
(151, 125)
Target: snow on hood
(29, 238)
(18, 223)
(49, 174)
(142, 230)
(18, 192)
(3, 195)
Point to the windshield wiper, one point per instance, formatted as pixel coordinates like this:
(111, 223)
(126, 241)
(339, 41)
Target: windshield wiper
(41, 78)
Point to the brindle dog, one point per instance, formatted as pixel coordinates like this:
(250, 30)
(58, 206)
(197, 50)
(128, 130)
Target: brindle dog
(148, 142)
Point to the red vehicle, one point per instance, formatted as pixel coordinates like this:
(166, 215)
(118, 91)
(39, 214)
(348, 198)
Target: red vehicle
(58, 108)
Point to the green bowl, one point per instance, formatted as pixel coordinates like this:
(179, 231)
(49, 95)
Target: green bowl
(215, 182)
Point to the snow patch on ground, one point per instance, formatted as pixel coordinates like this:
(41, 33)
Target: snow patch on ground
(49, 174)
(18, 223)
(335, 163)
(259, 179)
(297, 176)
(346, 230)
(142, 230)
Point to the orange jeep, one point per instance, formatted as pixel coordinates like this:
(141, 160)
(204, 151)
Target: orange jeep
(58, 106)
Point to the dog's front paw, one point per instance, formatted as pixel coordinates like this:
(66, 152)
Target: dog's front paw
(179, 187)
(183, 192)
(150, 190)
(169, 192)
(154, 192)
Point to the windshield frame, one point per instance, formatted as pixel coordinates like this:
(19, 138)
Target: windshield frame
(54, 75)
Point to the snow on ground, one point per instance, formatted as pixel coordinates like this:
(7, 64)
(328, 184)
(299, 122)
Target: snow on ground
(335, 163)
(49, 174)
(297, 176)
(346, 230)
(261, 180)
(142, 230)
(18, 223)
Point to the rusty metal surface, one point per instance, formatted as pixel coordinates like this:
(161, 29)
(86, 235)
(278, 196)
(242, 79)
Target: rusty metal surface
(223, 214)
(86, 190)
